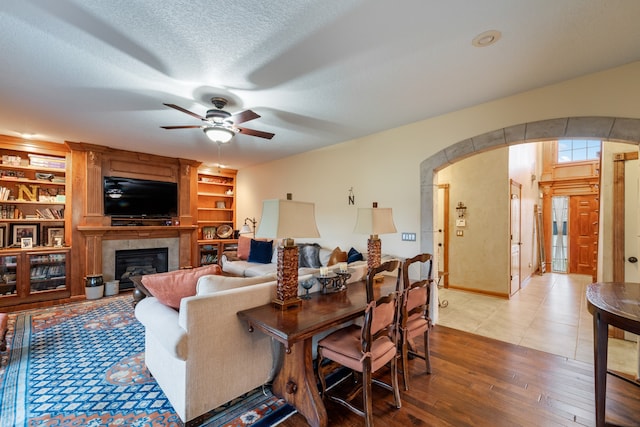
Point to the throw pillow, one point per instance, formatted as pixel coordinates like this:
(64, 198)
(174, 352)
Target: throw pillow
(169, 288)
(244, 247)
(260, 251)
(337, 255)
(309, 255)
(354, 255)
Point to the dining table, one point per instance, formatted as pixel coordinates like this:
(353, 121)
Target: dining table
(295, 327)
(614, 304)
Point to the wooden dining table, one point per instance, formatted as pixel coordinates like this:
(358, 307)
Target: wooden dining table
(295, 328)
(616, 304)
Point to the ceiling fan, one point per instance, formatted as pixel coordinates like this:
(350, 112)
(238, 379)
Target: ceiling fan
(220, 126)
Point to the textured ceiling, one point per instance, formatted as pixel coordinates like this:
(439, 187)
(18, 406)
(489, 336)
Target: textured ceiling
(318, 72)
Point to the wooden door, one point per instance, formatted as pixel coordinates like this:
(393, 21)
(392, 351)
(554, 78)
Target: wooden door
(515, 237)
(583, 234)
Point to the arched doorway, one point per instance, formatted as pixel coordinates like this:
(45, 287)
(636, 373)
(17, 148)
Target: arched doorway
(605, 128)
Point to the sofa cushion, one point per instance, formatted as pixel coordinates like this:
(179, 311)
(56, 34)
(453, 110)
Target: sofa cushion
(212, 283)
(337, 255)
(309, 255)
(354, 256)
(261, 251)
(169, 288)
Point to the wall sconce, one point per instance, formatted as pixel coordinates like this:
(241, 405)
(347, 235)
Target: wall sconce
(248, 229)
(461, 210)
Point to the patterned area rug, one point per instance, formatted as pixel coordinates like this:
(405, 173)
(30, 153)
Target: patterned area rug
(83, 365)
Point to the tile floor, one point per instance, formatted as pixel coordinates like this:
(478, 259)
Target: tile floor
(549, 314)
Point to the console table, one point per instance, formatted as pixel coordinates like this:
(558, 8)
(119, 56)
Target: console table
(295, 327)
(616, 304)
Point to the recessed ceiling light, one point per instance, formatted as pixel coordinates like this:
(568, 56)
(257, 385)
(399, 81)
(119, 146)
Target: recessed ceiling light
(487, 38)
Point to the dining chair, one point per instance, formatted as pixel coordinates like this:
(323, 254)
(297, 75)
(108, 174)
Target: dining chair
(414, 315)
(364, 349)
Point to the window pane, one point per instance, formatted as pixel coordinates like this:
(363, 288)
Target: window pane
(578, 150)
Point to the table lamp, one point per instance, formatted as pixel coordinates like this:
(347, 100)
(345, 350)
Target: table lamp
(374, 221)
(286, 219)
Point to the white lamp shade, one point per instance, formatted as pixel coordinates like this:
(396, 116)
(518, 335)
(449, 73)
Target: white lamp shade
(287, 219)
(374, 221)
(219, 134)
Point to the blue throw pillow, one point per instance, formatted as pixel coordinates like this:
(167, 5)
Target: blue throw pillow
(354, 256)
(260, 251)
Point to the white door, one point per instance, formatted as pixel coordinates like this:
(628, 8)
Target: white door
(631, 221)
(515, 237)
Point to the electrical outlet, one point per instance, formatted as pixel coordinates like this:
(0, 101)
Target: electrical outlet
(409, 237)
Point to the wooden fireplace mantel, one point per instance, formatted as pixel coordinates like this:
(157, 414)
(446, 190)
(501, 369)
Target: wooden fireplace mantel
(94, 235)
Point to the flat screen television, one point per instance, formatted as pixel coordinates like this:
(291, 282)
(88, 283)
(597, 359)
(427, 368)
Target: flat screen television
(140, 198)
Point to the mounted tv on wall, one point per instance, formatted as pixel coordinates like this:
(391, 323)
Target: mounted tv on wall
(140, 198)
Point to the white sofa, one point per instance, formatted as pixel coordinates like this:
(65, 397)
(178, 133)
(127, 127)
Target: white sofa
(238, 267)
(203, 356)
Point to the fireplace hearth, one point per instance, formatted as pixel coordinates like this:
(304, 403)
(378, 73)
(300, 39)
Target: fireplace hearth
(138, 262)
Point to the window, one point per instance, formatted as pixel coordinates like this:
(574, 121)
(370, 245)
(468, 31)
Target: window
(578, 150)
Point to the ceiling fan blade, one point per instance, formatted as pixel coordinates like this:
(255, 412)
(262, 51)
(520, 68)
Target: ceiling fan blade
(182, 127)
(186, 111)
(244, 116)
(258, 133)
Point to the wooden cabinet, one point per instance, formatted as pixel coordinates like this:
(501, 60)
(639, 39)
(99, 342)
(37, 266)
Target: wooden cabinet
(211, 250)
(34, 231)
(216, 213)
(28, 276)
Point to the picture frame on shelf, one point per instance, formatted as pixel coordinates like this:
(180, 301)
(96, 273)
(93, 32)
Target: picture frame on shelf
(26, 243)
(208, 233)
(55, 234)
(3, 235)
(21, 231)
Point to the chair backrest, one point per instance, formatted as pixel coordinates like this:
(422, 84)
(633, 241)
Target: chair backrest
(371, 276)
(379, 320)
(416, 295)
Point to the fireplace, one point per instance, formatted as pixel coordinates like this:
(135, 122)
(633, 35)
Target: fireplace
(138, 262)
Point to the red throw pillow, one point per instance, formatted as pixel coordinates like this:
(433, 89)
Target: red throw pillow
(169, 288)
(244, 246)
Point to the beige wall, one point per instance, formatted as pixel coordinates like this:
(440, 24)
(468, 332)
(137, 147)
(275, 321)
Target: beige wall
(479, 259)
(385, 167)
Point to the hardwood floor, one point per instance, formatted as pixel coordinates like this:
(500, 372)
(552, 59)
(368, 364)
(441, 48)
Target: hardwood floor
(479, 381)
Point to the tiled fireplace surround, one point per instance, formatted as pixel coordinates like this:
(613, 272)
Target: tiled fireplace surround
(109, 248)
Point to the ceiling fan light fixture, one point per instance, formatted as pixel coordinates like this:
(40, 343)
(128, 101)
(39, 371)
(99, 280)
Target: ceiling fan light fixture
(219, 134)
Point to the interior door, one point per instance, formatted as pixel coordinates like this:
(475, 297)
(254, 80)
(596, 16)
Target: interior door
(583, 234)
(631, 219)
(442, 235)
(516, 241)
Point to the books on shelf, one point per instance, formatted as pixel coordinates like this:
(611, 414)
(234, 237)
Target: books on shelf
(43, 161)
(50, 213)
(10, 212)
(4, 193)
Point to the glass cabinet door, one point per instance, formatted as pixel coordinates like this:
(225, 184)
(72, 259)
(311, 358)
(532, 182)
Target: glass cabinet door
(47, 271)
(8, 275)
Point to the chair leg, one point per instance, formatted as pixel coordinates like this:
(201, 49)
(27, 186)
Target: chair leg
(367, 380)
(427, 356)
(394, 382)
(404, 361)
(323, 383)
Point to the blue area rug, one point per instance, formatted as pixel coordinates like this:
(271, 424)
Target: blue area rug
(83, 365)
